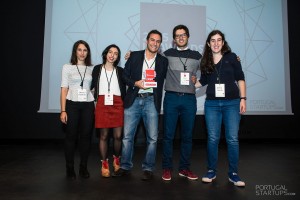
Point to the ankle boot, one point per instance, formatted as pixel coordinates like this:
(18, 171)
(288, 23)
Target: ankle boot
(116, 163)
(105, 168)
(71, 173)
(83, 172)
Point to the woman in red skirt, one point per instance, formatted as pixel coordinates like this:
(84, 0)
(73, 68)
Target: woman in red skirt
(109, 92)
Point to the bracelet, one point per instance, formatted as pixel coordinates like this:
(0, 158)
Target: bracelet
(245, 98)
(63, 111)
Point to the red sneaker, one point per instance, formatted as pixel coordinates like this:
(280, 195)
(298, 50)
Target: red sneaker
(188, 174)
(166, 175)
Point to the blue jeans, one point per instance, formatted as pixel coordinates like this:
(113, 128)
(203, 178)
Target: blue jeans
(183, 107)
(216, 113)
(141, 108)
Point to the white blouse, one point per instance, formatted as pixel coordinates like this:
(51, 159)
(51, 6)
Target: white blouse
(71, 79)
(114, 84)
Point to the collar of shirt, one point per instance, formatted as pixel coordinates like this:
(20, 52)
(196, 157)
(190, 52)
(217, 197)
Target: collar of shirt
(186, 48)
(152, 59)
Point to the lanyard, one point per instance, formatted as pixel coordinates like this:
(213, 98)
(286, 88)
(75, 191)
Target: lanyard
(148, 65)
(82, 79)
(184, 64)
(108, 81)
(219, 72)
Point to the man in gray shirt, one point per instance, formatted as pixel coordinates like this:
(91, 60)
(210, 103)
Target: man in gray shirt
(179, 102)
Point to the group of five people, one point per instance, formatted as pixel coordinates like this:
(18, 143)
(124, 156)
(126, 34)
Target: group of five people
(126, 95)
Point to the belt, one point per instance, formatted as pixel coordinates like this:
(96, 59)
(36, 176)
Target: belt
(180, 93)
(144, 95)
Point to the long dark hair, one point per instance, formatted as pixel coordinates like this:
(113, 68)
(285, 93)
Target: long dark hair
(88, 59)
(207, 61)
(105, 52)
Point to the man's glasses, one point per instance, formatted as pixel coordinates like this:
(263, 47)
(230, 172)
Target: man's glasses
(180, 35)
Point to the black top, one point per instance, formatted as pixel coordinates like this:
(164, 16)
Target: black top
(96, 78)
(230, 71)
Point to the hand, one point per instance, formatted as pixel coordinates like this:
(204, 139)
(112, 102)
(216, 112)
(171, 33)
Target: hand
(242, 106)
(63, 117)
(193, 79)
(127, 55)
(139, 84)
(238, 58)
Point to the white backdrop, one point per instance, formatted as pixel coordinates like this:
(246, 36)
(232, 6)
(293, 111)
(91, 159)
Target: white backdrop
(257, 31)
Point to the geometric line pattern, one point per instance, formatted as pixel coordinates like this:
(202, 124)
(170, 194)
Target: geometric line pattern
(257, 41)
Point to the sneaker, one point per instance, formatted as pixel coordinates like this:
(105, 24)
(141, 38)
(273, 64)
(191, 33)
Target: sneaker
(116, 163)
(105, 168)
(235, 179)
(209, 176)
(121, 172)
(188, 174)
(166, 175)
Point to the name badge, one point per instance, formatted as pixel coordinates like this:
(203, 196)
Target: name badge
(184, 78)
(149, 79)
(82, 95)
(220, 90)
(108, 99)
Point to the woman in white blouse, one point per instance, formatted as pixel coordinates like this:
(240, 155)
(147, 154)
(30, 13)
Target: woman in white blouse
(77, 107)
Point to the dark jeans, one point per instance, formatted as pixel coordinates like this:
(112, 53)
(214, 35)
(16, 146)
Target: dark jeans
(79, 128)
(183, 107)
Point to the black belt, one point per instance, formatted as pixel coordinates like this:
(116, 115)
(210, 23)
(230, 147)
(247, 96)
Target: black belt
(144, 95)
(180, 93)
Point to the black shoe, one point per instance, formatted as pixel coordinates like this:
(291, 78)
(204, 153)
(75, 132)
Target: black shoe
(71, 173)
(121, 172)
(83, 172)
(147, 175)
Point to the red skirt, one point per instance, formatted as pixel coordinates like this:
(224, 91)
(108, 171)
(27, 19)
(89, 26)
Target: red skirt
(109, 116)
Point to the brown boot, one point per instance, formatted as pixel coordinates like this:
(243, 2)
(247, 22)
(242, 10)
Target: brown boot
(105, 168)
(116, 163)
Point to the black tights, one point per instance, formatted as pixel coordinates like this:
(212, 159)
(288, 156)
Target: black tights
(103, 142)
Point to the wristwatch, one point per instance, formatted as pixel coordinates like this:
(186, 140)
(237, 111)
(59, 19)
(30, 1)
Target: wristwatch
(245, 98)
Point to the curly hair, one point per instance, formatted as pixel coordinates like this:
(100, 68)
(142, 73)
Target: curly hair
(207, 62)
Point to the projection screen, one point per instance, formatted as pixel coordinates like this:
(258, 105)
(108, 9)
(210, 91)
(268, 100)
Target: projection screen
(257, 31)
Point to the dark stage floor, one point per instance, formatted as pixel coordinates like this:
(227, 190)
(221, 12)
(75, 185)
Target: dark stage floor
(36, 171)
